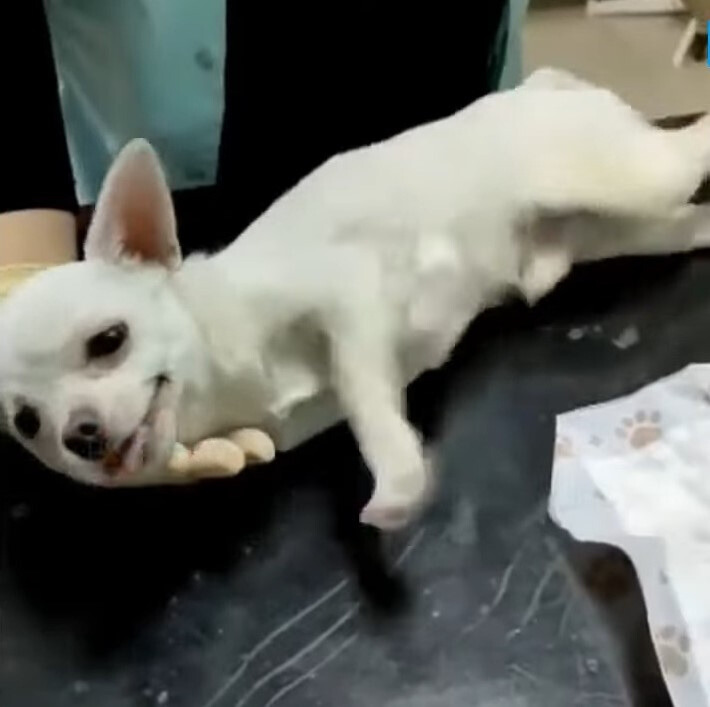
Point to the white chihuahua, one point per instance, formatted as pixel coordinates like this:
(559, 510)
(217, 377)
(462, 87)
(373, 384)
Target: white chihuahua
(353, 283)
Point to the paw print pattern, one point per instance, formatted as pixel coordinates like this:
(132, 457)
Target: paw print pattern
(564, 449)
(673, 651)
(642, 429)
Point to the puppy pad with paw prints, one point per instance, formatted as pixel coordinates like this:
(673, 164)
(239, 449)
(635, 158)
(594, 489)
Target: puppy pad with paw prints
(635, 473)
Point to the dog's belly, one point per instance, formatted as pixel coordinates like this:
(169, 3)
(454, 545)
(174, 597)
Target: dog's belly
(301, 403)
(439, 296)
(305, 420)
(449, 287)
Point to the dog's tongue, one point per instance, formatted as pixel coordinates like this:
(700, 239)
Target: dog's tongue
(134, 457)
(128, 458)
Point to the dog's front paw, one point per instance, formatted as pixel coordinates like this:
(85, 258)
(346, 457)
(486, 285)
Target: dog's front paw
(388, 511)
(397, 501)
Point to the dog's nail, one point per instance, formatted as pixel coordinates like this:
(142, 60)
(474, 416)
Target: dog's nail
(257, 446)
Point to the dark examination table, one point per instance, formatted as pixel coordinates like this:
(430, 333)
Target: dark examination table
(263, 590)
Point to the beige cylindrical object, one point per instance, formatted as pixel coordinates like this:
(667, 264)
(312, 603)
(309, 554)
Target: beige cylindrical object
(180, 461)
(218, 457)
(257, 446)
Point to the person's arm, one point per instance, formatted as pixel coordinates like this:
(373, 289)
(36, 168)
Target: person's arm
(37, 199)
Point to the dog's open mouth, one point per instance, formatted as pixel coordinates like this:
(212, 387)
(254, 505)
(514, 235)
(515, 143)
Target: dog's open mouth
(132, 454)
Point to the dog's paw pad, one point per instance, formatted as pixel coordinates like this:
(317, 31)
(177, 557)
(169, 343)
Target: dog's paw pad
(390, 510)
(564, 448)
(641, 430)
(673, 651)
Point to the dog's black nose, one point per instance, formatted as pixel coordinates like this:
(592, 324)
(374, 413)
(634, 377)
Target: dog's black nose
(85, 437)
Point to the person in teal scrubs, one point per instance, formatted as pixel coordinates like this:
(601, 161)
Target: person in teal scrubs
(232, 94)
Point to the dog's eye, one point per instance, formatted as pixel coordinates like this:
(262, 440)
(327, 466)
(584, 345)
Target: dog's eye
(107, 342)
(27, 422)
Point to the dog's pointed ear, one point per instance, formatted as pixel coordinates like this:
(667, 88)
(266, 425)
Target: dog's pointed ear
(134, 217)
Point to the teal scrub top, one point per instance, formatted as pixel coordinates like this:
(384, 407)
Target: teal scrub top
(154, 69)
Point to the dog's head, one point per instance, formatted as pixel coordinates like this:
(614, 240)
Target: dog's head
(90, 352)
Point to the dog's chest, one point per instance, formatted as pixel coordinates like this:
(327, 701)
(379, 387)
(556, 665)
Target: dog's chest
(288, 394)
(296, 364)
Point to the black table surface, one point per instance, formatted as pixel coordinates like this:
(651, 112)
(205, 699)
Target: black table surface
(263, 590)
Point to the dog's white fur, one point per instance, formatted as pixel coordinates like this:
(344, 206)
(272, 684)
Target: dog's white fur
(352, 284)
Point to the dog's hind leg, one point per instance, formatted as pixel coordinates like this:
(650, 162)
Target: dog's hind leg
(591, 237)
(618, 165)
(561, 241)
(545, 267)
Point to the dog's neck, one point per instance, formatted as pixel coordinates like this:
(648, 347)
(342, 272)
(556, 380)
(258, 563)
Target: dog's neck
(225, 384)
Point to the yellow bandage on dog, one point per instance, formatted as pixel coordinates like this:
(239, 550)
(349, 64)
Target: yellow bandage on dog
(13, 275)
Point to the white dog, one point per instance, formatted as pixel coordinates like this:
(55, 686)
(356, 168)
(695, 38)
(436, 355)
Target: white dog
(353, 283)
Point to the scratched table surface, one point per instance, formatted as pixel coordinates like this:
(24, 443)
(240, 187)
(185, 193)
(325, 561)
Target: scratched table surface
(263, 590)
